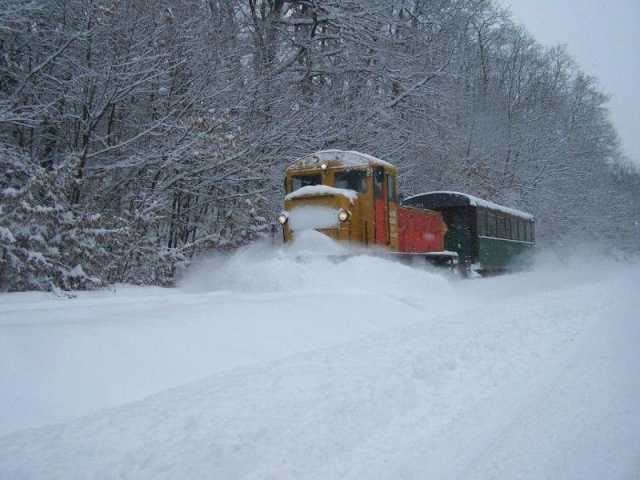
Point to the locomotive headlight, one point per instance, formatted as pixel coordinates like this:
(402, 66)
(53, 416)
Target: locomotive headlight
(324, 167)
(282, 218)
(344, 215)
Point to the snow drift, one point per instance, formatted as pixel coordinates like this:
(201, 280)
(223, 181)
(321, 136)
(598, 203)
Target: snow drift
(314, 263)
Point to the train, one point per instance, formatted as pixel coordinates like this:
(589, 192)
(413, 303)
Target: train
(353, 198)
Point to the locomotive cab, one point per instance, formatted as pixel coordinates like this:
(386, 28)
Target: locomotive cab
(348, 196)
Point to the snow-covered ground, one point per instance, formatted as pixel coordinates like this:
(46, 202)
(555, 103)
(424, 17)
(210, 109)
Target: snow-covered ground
(265, 366)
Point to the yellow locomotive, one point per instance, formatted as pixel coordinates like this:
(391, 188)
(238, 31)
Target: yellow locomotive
(352, 197)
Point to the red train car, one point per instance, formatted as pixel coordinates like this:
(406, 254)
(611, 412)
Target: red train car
(420, 231)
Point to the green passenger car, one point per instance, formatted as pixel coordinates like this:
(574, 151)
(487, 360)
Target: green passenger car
(488, 238)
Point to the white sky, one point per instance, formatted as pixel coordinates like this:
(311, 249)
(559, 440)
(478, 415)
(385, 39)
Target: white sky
(604, 38)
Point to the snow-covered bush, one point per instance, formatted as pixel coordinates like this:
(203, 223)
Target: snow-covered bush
(46, 242)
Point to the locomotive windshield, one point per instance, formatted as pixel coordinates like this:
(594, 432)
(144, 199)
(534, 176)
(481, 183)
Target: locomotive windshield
(352, 180)
(304, 181)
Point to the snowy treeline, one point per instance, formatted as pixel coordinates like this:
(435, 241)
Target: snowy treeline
(135, 133)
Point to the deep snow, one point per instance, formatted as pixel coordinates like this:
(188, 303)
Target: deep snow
(266, 365)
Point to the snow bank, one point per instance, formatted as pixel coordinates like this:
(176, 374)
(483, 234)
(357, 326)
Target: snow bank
(314, 263)
(309, 243)
(63, 358)
(387, 370)
(330, 386)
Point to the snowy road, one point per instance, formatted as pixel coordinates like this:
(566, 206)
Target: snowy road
(363, 369)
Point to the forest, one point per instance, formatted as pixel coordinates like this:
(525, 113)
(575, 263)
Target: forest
(138, 134)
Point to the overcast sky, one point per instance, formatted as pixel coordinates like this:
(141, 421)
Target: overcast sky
(604, 37)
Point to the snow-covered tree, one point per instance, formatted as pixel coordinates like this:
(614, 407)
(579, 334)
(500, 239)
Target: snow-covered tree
(139, 133)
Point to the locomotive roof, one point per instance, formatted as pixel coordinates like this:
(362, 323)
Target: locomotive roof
(455, 199)
(347, 158)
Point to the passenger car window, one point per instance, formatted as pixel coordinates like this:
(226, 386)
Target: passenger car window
(533, 231)
(482, 221)
(487, 222)
(491, 224)
(352, 180)
(501, 230)
(300, 181)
